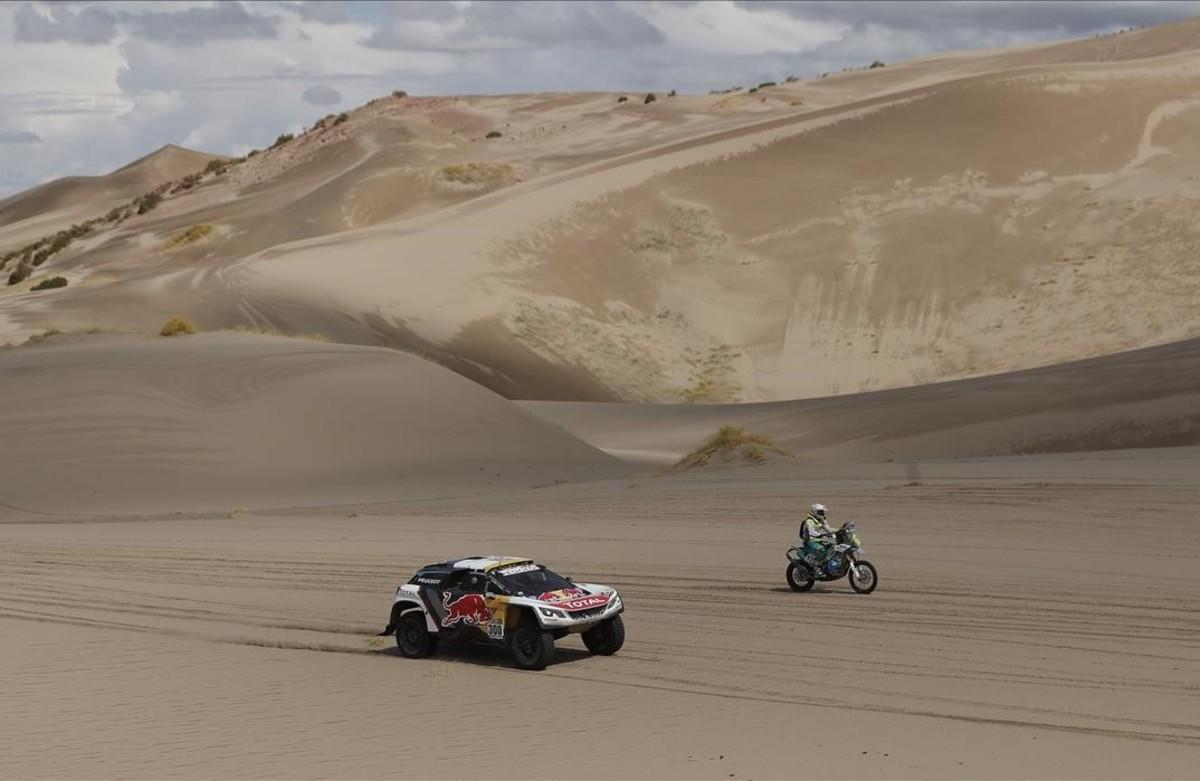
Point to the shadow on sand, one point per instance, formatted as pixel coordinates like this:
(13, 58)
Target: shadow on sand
(486, 655)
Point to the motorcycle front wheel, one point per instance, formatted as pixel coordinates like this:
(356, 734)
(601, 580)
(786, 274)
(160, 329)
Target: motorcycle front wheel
(863, 577)
(799, 577)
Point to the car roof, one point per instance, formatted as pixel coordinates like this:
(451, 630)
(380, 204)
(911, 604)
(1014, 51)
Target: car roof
(487, 563)
(479, 563)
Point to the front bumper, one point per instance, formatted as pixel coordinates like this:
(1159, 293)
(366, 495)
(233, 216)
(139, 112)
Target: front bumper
(554, 618)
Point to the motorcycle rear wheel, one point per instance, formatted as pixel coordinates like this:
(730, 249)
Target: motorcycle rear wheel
(865, 585)
(800, 577)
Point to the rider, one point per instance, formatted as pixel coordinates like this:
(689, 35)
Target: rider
(818, 536)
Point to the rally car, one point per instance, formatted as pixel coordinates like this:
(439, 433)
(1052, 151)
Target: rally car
(503, 601)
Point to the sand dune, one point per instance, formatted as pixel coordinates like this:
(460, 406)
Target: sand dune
(956, 216)
(104, 424)
(1140, 399)
(56, 205)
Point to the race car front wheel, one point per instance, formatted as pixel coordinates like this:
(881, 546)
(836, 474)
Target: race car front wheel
(413, 638)
(606, 638)
(532, 648)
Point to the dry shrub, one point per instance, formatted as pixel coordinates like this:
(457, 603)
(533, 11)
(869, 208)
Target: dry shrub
(51, 283)
(147, 202)
(266, 330)
(176, 326)
(190, 236)
(477, 174)
(731, 444)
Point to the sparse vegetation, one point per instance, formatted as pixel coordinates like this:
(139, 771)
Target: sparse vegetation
(876, 64)
(192, 235)
(282, 139)
(766, 84)
(266, 330)
(18, 276)
(51, 283)
(650, 98)
(61, 240)
(494, 134)
(477, 174)
(752, 90)
(216, 167)
(148, 202)
(712, 376)
(671, 94)
(340, 118)
(187, 182)
(399, 93)
(176, 326)
(792, 79)
(43, 336)
(623, 99)
(731, 445)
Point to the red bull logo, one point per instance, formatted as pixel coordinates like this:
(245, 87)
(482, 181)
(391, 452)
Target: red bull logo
(560, 595)
(471, 609)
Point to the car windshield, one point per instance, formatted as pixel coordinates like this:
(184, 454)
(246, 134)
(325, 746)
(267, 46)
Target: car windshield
(530, 580)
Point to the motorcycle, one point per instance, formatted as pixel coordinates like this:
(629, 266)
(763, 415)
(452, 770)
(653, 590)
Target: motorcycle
(843, 560)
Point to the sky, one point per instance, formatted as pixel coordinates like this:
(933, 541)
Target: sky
(86, 87)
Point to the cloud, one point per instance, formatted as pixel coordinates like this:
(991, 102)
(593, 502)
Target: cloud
(437, 26)
(729, 28)
(1020, 16)
(46, 24)
(182, 25)
(323, 11)
(321, 95)
(193, 26)
(20, 137)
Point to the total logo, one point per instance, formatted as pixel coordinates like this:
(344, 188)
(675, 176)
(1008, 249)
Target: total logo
(584, 603)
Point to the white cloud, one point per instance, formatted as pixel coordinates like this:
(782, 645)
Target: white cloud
(723, 27)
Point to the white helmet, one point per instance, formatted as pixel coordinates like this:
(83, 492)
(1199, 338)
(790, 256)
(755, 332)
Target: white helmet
(818, 510)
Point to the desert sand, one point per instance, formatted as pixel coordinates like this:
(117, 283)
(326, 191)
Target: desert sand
(200, 536)
(128, 423)
(957, 291)
(1017, 632)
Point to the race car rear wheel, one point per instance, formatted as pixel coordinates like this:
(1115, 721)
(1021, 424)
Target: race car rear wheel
(532, 647)
(412, 636)
(800, 577)
(606, 638)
